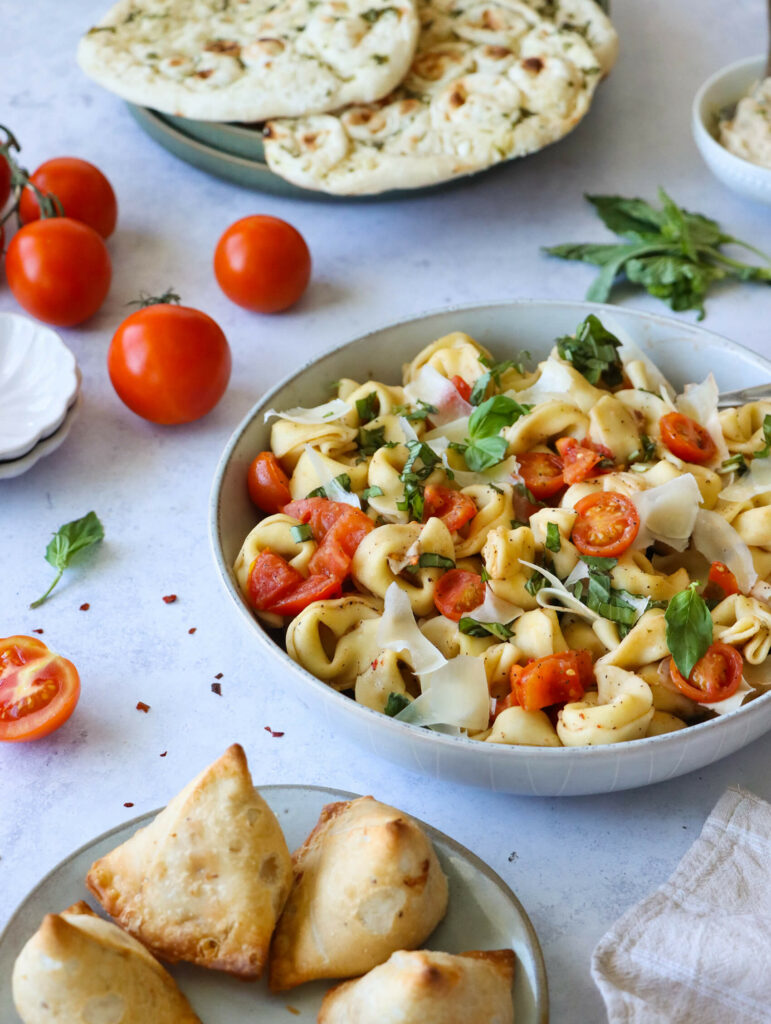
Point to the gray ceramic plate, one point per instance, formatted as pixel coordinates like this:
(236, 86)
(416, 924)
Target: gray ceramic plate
(483, 913)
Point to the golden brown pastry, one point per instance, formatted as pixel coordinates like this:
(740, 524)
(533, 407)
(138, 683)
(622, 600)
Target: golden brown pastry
(207, 879)
(367, 882)
(425, 987)
(80, 969)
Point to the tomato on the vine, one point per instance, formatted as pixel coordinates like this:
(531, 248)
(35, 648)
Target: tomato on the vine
(59, 270)
(169, 363)
(262, 263)
(84, 192)
(38, 689)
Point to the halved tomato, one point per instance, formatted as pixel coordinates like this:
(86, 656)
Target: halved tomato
(268, 484)
(606, 524)
(458, 592)
(721, 582)
(542, 473)
(38, 689)
(686, 438)
(276, 586)
(580, 459)
(714, 677)
(553, 679)
(452, 507)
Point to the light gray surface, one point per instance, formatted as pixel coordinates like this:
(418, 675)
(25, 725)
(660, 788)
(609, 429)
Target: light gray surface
(575, 864)
(482, 913)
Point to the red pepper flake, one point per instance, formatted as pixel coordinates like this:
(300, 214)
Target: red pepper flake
(128, 804)
(141, 706)
(219, 675)
(164, 753)
(170, 598)
(85, 607)
(216, 688)
(276, 735)
(192, 630)
(373, 666)
(37, 630)
(293, 1009)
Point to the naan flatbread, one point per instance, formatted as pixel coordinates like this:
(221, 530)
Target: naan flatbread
(249, 60)
(490, 81)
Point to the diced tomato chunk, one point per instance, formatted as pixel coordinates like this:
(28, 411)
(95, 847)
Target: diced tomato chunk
(458, 592)
(452, 507)
(268, 484)
(338, 528)
(580, 459)
(315, 588)
(554, 679)
(271, 578)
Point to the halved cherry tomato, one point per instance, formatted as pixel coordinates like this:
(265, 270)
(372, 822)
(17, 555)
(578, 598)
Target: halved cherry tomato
(542, 473)
(338, 528)
(580, 459)
(81, 188)
(606, 524)
(462, 387)
(268, 484)
(714, 677)
(721, 582)
(554, 679)
(686, 438)
(509, 701)
(276, 586)
(262, 263)
(38, 689)
(458, 592)
(452, 507)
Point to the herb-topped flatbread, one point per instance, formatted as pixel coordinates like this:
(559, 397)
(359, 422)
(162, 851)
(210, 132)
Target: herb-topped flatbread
(250, 60)
(490, 81)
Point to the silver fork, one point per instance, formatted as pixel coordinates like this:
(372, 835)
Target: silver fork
(755, 394)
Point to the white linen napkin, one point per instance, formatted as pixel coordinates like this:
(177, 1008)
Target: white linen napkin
(698, 950)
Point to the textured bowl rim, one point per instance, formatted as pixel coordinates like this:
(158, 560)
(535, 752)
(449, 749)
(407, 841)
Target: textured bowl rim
(425, 737)
(702, 131)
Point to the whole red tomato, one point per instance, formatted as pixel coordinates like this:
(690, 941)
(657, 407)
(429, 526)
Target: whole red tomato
(169, 363)
(59, 270)
(84, 192)
(262, 263)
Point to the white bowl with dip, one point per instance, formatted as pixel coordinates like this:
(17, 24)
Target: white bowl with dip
(723, 90)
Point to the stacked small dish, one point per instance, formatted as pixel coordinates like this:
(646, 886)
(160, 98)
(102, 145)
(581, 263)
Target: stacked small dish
(39, 391)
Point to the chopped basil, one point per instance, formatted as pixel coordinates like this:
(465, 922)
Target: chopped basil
(431, 560)
(524, 491)
(494, 372)
(471, 627)
(396, 702)
(368, 407)
(646, 452)
(369, 441)
(301, 533)
(762, 453)
(595, 562)
(371, 492)
(593, 352)
(736, 464)
(320, 492)
(516, 524)
(689, 629)
(422, 412)
(536, 582)
(412, 476)
(485, 575)
(553, 541)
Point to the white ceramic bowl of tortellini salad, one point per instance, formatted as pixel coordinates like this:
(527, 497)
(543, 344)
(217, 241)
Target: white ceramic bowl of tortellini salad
(514, 545)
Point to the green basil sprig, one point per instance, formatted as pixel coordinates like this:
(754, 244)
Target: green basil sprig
(68, 540)
(593, 352)
(471, 627)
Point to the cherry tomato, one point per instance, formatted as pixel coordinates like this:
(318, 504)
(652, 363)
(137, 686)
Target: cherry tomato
(59, 270)
(462, 387)
(262, 263)
(721, 582)
(5, 180)
(580, 459)
(714, 677)
(686, 438)
(606, 524)
(338, 528)
(275, 586)
(542, 473)
(268, 484)
(84, 192)
(169, 364)
(38, 689)
(553, 679)
(458, 592)
(452, 507)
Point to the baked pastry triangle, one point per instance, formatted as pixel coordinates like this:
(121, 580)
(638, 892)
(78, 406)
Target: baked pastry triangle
(367, 882)
(80, 969)
(426, 987)
(207, 879)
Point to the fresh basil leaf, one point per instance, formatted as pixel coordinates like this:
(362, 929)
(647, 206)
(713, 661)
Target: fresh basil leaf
(645, 453)
(536, 582)
(479, 389)
(471, 627)
(396, 702)
(485, 452)
(762, 453)
(635, 219)
(301, 533)
(735, 464)
(422, 411)
(553, 540)
(368, 407)
(596, 562)
(485, 575)
(489, 418)
(494, 373)
(689, 629)
(593, 352)
(413, 475)
(73, 537)
(371, 492)
(370, 441)
(517, 524)
(431, 560)
(321, 492)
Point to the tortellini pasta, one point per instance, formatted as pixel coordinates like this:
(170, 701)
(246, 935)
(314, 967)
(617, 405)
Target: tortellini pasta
(450, 537)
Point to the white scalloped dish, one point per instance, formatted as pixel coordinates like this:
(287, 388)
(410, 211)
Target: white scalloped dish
(38, 384)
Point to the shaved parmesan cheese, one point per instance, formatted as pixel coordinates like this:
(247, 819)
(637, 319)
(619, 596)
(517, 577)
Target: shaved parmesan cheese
(732, 703)
(398, 631)
(455, 430)
(455, 694)
(667, 512)
(407, 429)
(431, 387)
(631, 352)
(559, 592)
(637, 601)
(326, 478)
(325, 413)
(718, 541)
(699, 401)
(752, 484)
(554, 383)
(761, 591)
(495, 609)
(581, 572)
